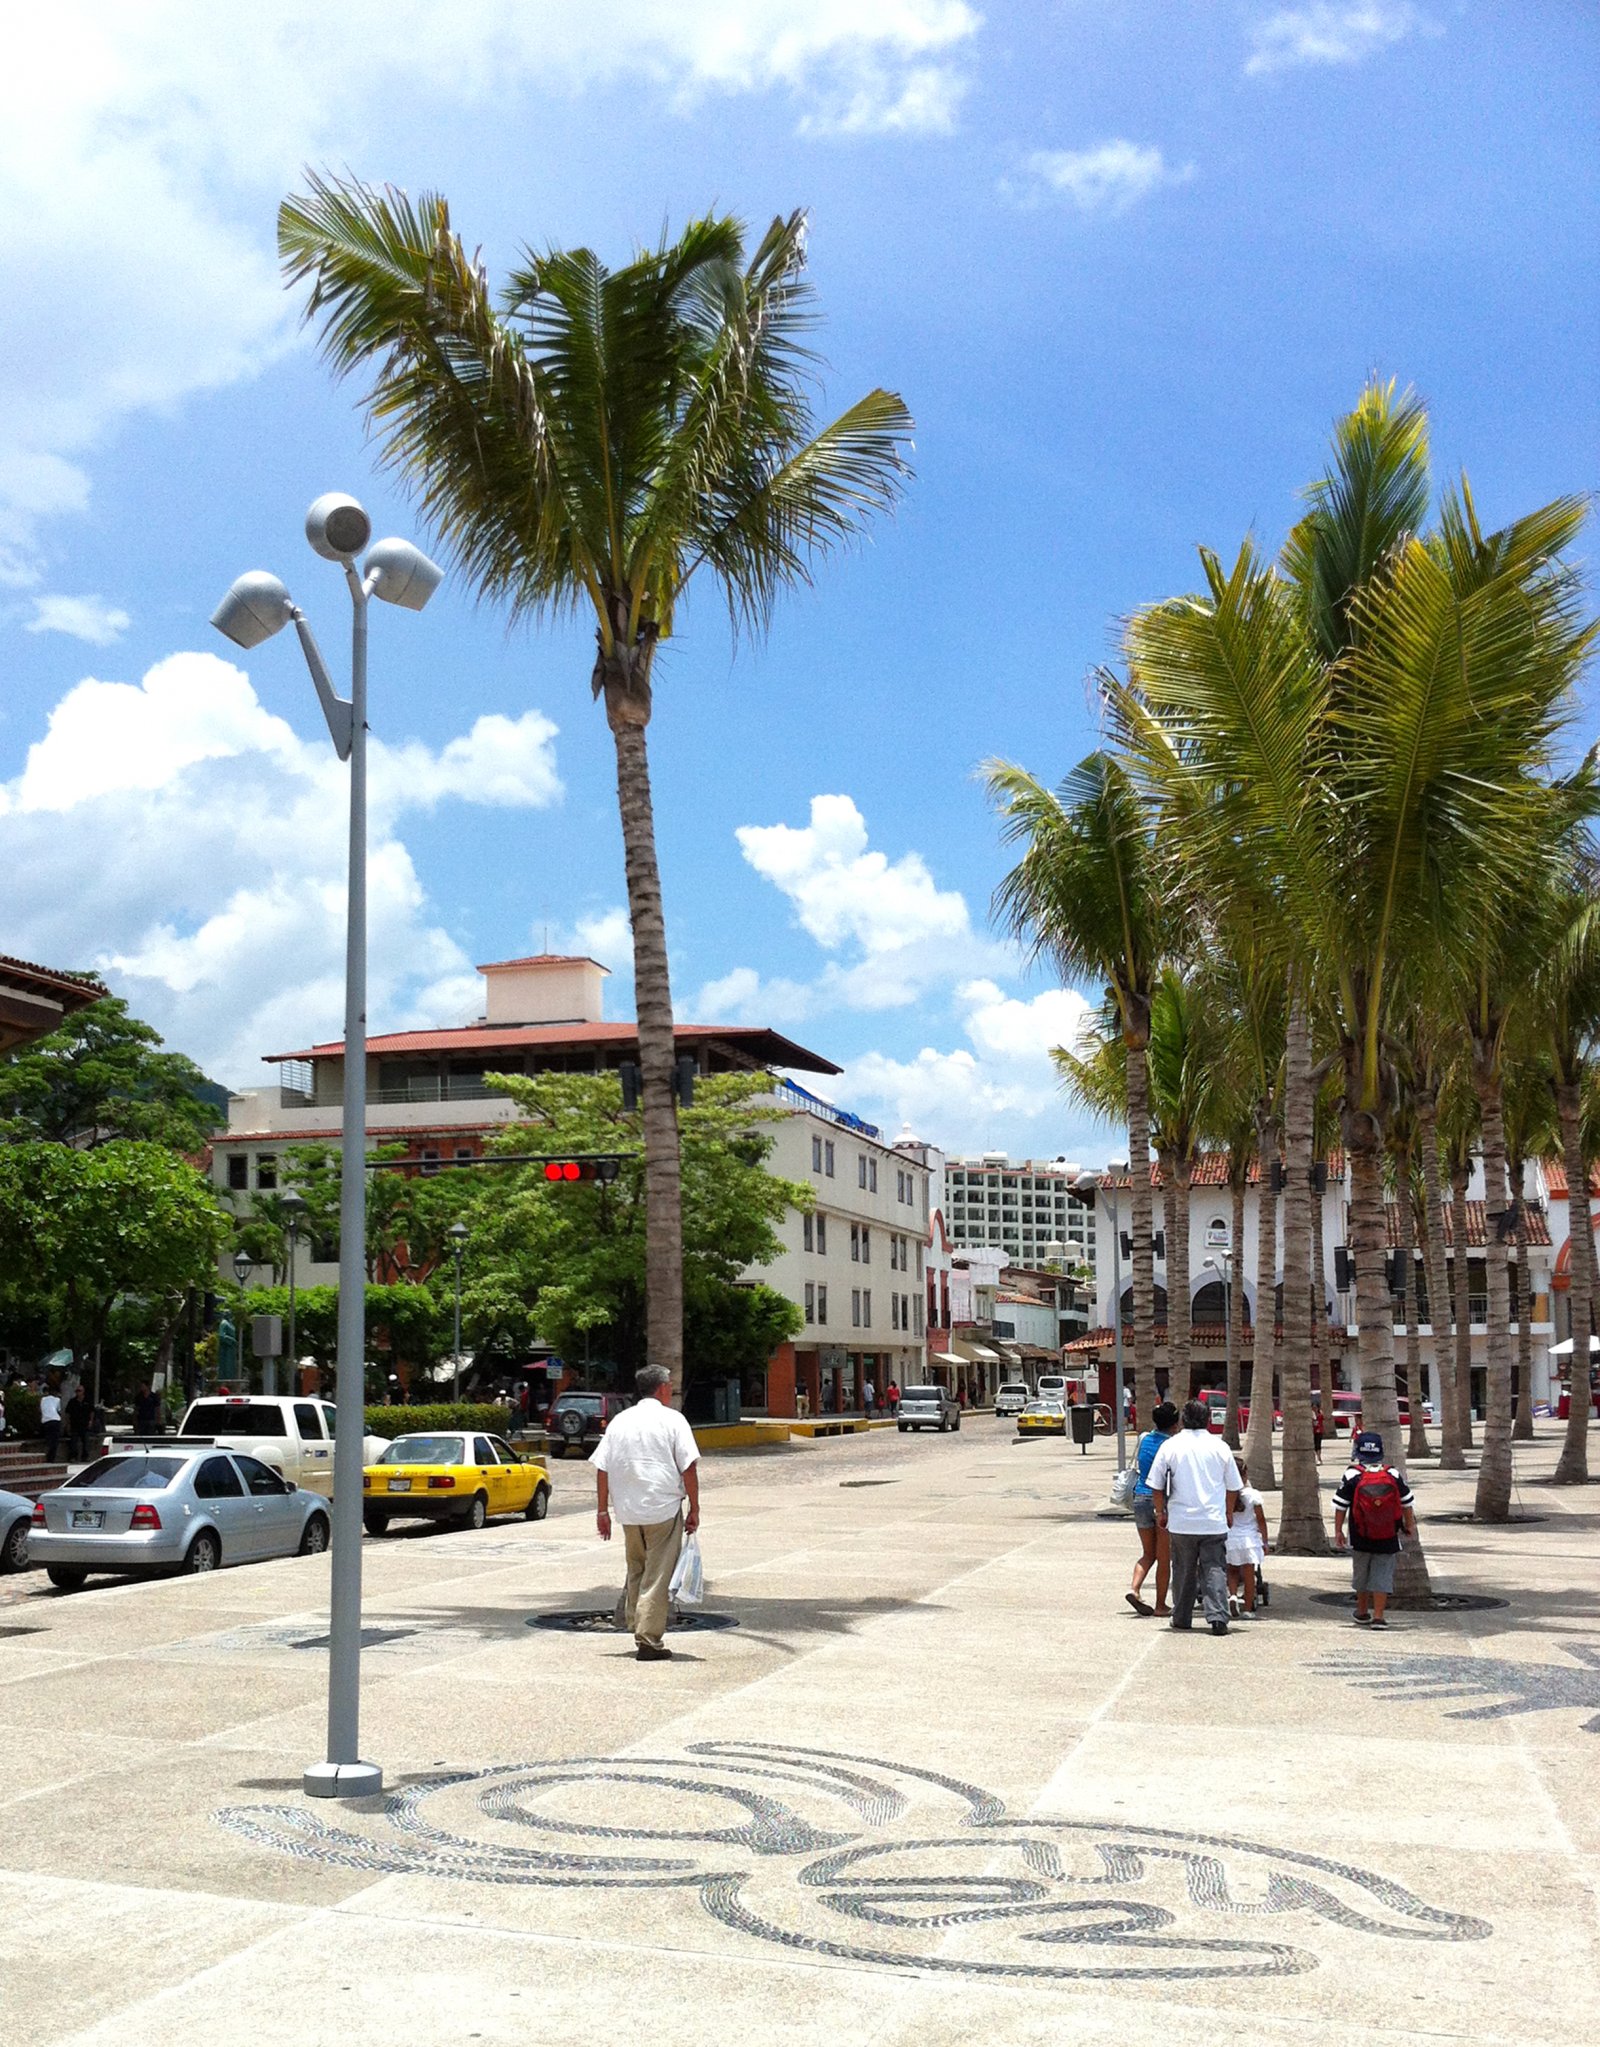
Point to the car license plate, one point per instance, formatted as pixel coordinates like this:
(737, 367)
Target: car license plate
(83, 1518)
(399, 1485)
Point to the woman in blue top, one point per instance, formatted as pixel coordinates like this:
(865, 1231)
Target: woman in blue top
(1153, 1546)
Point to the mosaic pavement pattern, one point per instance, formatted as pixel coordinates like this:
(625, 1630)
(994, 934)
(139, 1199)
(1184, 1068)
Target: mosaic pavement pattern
(869, 1862)
(1508, 1688)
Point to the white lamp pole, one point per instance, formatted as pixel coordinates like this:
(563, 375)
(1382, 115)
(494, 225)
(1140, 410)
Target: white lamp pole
(256, 607)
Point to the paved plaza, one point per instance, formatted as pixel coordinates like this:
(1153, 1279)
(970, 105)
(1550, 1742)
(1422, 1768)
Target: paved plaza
(938, 1784)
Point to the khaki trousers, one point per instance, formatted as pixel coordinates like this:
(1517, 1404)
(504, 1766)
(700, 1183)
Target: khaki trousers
(652, 1552)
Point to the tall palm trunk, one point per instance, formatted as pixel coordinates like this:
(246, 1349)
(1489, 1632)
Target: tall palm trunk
(1258, 1436)
(1406, 1217)
(1522, 1383)
(1176, 1173)
(1374, 1318)
(1572, 1467)
(1321, 1336)
(1144, 1257)
(1444, 1361)
(628, 712)
(1300, 1529)
(1460, 1174)
(1237, 1170)
(1493, 1498)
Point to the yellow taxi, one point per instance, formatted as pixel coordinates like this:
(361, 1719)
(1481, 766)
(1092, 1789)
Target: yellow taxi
(453, 1475)
(1042, 1418)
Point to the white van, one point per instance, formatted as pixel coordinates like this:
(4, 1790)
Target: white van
(1010, 1400)
(1053, 1386)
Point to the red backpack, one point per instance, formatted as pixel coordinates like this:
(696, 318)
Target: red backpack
(1376, 1509)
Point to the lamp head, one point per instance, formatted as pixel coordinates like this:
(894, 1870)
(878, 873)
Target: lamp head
(242, 1264)
(457, 1233)
(257, 606)
(405, 575)
(292, 1207)
(337, 527)
(1087, 1183)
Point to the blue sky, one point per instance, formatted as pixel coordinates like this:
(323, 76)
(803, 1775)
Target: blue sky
(1124, 261)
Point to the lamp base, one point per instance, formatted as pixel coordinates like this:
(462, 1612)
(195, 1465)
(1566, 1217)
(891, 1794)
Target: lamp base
(343, 1780)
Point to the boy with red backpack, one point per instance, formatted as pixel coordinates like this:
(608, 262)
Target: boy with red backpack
(1378, 1504)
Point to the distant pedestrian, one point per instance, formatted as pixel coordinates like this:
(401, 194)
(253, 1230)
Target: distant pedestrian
(645, 1467)
(79, 1410)
(1154, 1543)
(1247, 1547)
(1318, 1429)
(892, 1395)
(146, 1411)
(869, 1399)
(1196, 1486)
(50, 1422)
(1379, 1504)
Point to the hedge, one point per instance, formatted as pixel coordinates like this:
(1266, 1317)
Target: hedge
(22, 1411)
(491, 1416)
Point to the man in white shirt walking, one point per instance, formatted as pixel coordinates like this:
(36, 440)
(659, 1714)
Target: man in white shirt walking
(645, 1468)
(1196, 1486)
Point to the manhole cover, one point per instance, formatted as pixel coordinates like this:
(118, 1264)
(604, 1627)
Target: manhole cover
(371, 1638)
(1466, 1520)
(21, 1631)
(582, 1619)
(1441, 1602)
(847, 1482)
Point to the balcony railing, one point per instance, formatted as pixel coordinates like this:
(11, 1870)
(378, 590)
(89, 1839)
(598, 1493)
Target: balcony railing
(424, 1088)
(801, 1098)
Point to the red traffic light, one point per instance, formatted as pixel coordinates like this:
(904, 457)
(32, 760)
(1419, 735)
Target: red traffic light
(604, 1169)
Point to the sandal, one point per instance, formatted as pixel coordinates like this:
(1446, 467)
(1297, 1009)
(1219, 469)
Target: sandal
(1139, 1606)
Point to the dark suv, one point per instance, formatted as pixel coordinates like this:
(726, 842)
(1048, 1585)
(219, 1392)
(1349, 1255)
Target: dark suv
(577, 1421)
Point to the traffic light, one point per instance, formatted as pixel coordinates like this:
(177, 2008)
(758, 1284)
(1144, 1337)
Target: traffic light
(565, 1170)
(628, 1074)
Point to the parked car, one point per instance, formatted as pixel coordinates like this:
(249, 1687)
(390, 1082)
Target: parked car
(1042, 1418)
(1011, 1399)
(188, 1507)
(928, 1407)
(15, 1515)
(577, 1421)
(291, 1433)
(446, 1475)
(1053, 1386)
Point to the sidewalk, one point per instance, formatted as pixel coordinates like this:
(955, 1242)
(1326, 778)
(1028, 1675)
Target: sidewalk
(937, 1786)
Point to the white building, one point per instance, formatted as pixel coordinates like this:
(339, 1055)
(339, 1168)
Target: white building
(1027, 1207)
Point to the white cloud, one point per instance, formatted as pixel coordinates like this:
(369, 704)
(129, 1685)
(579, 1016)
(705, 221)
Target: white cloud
(187, 842)
(1109, 178)
(143, 149)
(606, 936)
(1333, 34)
(82, 618)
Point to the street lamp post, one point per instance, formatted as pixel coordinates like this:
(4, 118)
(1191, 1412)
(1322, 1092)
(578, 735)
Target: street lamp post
(257, 606)
(457, 1234)
(292, 1207)
(1095, 1184)
(1221, 1263)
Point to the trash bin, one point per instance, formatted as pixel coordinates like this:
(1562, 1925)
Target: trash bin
(1082, 1419)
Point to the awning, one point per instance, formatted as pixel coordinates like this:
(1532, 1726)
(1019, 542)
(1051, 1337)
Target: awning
(947, 1357)
(989, 1357)
(1564, 1350)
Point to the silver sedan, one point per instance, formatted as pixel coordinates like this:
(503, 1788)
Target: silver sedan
(15, 1513)
(172, 1507)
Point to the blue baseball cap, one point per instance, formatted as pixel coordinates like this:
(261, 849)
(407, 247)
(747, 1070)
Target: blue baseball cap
(1368, 1447)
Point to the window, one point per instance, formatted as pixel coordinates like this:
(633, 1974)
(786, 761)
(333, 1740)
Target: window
(905, 1311)
(308, 1421)
(872, 1176)
(262, 1482)
(894, 1311)
(916, 1310)
(430, 1160)
(808, 1231)
(855, 1243)
(482, 1450)
(861, 1169)
(239, 1169)
(267, 1171)
(866, 1307)
(822, 1305)
(894, 1251)
(822, 1234)
(855, 1307)
(811, 1301)
(464, 1155)
(816, 1154)
(866, 1245)
(217, 1480)
(827, 1157)
(919, 1261)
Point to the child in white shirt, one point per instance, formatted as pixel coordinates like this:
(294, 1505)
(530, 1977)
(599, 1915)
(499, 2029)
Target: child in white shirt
(1247, 1547)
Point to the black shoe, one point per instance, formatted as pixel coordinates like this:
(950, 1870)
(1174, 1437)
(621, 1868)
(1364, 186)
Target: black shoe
(1219, 1627)
(646, 1654)
(1180, 1627)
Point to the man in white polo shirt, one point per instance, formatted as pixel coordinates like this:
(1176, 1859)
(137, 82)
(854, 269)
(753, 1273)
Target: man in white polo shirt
(645, 1468)
(1196, 1487)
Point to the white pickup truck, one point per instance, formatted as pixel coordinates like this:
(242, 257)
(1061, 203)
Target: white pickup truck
(291, 1432)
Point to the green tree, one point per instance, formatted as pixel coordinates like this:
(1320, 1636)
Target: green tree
(102, 1075)
(78, 1229)
(1568, 1001)
(586, 441)
(1086, 896)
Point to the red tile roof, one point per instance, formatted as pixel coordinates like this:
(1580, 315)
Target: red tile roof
(1538, 1226)
(1555, 1179)
(545, 959)
(81, 988)
(1202, 1336)
(1211, 1170)
(761, 1046)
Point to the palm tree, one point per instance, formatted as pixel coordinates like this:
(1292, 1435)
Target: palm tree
(1426, 1077)
(1530, 1133)
(1569, 999)
(1086, 896)
(1401, 1138)
(587, 440)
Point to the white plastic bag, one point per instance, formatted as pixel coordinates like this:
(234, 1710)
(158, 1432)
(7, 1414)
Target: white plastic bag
(688, 1587)
(1123, 1487)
